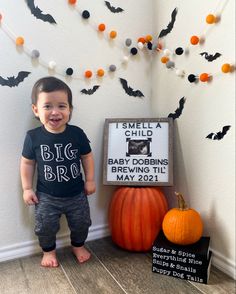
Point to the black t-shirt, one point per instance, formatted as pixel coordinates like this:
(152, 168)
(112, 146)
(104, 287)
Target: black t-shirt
(58, 159)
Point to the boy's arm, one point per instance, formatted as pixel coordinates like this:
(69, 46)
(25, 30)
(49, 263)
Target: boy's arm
(88, 167)
(27, 168)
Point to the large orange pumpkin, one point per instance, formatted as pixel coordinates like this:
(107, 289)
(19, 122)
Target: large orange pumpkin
(135, 216)
(182, 225)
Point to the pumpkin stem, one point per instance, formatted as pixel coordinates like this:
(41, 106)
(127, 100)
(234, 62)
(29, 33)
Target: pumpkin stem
(181, 202)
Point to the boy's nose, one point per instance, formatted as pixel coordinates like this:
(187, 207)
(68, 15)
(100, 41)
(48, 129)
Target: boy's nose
(54, 111)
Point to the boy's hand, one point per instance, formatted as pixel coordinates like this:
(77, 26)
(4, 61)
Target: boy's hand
(89, 187)
(29, 197)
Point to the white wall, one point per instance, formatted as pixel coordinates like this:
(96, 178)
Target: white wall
(204, 170)
(71, 43)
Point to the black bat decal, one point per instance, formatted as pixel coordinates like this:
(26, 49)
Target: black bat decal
(112, 8)
(170, 26)
(219, 135)
(38, 12)
(210, 57)
(90, 91)
(12, 81)
(179, 110)
(129, 90)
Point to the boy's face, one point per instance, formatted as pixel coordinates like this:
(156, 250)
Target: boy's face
(53, 110)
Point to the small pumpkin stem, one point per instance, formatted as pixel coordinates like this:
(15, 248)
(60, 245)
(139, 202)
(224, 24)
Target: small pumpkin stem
(181, 202)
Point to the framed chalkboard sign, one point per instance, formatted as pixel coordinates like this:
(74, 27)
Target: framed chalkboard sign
(138, 152)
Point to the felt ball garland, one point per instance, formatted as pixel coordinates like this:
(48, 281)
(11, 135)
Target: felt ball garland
(194, 40)
(170, 64)
(69, 71)
(140, 45)
(180, 72)
(179, 51)
(149, 45)
(52, 65)
(100, 72)
(20, 41)
(125, 59)
(88, 74)
(128, 42)
(192, 78)
(142, 42)
(166, 52)
(113, 34)
(226, 68)
(112, 68)
(35, 54)
(72, 2)
(165, 59)
(148, 38)
(101, 27)
(204, 77)
(210, 19)
(85, 14)
(133, 51)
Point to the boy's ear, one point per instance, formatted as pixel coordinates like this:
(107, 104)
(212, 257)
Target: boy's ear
(35, 110)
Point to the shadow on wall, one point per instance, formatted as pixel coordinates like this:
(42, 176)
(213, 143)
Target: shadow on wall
(212, 223)
(103, 193)
(26, 212)
(179, 173)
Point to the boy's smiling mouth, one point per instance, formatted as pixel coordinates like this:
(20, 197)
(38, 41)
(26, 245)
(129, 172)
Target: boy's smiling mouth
(54, 121)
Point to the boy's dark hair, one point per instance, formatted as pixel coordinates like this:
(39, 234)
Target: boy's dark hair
(50, 84)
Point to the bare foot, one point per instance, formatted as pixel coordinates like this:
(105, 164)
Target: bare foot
(49, 259)
(81, 253)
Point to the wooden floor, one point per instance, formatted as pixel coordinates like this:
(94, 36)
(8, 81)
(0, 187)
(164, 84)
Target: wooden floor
(110, 270)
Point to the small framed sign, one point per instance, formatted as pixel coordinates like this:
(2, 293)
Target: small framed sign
(138, 152)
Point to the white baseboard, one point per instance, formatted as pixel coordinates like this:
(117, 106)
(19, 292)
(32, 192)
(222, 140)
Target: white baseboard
(31, 247)
(97, 232)
(224, 264)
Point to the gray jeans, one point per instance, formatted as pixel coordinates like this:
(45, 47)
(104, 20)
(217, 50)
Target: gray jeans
(47, 219)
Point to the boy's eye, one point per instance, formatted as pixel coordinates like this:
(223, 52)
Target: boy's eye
(62, 106)
(47, 106)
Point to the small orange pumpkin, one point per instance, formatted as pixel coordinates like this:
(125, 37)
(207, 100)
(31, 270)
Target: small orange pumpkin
(182, 225)
(135, 216)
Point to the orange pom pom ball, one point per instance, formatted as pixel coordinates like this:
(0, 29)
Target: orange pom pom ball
(101, 27)
(194, 40)
(88, 74)
(142, 40)
(20, 41)
(226, 68)
(204, 77)
(113, 34)
(164, 59)
(0, 17)
(210, 19)
(148, 38)
(72, 2)
(100, 72)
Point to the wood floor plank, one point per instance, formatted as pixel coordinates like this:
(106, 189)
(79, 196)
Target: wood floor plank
(12, 271)
(133, 271)
(26, 276)
(218, 283)
(89, 277)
